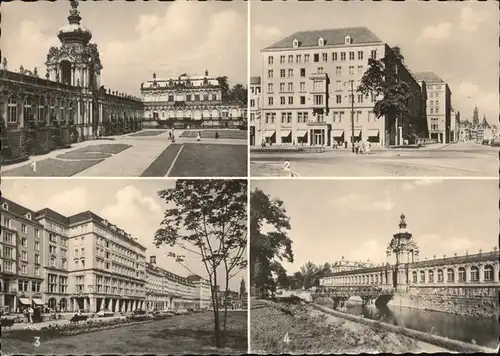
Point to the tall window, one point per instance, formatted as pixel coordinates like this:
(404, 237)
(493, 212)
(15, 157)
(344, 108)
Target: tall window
(41, 112)
(27, 109)
(451, 275)
(360, 55)
(12, 110)
(270, 60)
(431, 276)
(488, 273)
(461, 274)
(422, 276)
(474, 274)
(440, 276)
(414, 273)
(351, 56)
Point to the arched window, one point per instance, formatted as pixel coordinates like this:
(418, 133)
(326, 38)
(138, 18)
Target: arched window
(430, 275)
(12, 109)
(52, 109)
(348, 40)
(376, 278)
(422, 277)
(461, 275)
(414, 276)
(27, 109)
(295, 43)
(62, 113)
(451, 275)
(488, 273)
(321, 41)
(41, 112)
(440, 276)
(474, 273)
(363, 280)
(52, 262)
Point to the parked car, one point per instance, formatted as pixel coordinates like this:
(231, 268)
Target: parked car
(495, 142)
(105, 312)
(139, 312)
(486, 141)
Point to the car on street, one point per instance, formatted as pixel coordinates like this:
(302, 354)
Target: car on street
(104, 313)
(495, 142)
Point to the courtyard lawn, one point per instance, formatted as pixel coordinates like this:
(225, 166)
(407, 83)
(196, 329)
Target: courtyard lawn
(227, 134)
(148, 133)
(112, 148)
(211, 160)
(260, 169)
(183, 334)
(51, 168)
(160, 166)
(313, 332)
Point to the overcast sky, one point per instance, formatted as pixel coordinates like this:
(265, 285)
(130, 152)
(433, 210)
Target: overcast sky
(357, 218)
(132, 205)
(456, 40)
(135, 39)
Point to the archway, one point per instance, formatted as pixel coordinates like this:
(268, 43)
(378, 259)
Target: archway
(65, 66)
(52, 303)
(63, 304)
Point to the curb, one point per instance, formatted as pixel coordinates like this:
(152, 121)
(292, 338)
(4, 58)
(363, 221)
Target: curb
(450, 344)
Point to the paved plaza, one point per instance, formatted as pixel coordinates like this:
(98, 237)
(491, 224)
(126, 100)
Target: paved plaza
(148, 153)
(465, 159)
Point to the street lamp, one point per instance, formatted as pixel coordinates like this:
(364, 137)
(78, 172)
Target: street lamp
(351, 95)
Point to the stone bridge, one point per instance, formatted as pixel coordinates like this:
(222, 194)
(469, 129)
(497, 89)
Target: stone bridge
(369, 294)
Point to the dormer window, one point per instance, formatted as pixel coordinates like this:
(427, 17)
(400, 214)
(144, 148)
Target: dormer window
(295, 43)
(28, 216)
(5, 206)
(321, 41)
(348, 40)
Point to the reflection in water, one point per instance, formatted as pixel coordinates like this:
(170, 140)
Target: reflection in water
(481, 331)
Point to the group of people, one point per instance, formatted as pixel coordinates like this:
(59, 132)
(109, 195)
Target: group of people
(198, 135)
(359, 146)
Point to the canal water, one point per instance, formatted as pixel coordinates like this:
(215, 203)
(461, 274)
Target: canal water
(481, 331)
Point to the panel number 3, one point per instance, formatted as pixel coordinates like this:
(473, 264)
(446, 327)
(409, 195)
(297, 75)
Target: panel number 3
(37, 341)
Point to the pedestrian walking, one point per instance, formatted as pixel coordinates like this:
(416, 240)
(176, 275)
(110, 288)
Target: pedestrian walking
(216, 134)
(30, 315)
(198, 136)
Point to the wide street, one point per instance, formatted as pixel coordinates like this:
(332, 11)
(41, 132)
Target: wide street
(147, 153)
(464, 159)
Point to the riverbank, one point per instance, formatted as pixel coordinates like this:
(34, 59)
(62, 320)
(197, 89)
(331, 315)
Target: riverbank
(296, 327)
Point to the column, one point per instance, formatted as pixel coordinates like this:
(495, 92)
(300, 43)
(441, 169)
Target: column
(496, 272)
(92, 305)
(78, 113)
(85, 303)
(481, 273)
(91, 118)
(15, 304)
(467, 274)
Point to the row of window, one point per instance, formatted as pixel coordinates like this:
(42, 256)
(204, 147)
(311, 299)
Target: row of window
(450, 276)
(192, 97)
(303, 117)
(6, 222)
(284, 73)
(23, 286)
(319, 99)
(42, 112)
(335, 56)
(8, 266)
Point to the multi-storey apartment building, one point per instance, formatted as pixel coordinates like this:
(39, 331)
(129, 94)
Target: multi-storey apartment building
(189, 101)
(203, 295)
(438, 106)
(309, 83)
(255, 106)
(21, 257)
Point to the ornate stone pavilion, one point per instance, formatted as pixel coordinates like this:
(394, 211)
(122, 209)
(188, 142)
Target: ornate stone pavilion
(189, 101)
(68, 105)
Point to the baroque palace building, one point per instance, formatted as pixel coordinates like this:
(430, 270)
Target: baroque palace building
(82, 261)
(189, 102)
(69, 104)
(309, 81)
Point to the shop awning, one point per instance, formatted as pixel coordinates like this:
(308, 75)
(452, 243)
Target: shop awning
(38, 301)
(337, 133)
(373, 132)
(356, 133)
(301, 133)
(25, 301)
(285, 133)
(268, 134)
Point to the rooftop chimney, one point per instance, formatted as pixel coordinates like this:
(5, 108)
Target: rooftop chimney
(152, 260)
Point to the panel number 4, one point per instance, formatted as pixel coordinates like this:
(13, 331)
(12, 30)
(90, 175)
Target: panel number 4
(286, 339)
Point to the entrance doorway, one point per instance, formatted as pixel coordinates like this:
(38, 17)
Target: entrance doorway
(317, 137)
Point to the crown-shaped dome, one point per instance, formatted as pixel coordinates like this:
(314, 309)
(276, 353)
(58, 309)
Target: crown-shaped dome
(74, 32)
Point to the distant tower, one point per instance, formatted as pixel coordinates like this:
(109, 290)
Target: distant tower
(243, 288)
(76, 60)
(405, 251)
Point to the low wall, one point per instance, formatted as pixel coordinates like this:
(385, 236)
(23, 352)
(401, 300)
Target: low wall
(452, 345)
(472, 301)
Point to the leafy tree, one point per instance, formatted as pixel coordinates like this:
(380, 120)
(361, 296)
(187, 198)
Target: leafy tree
(268, 248)
(475, 117)
(382, 79)
(239, 94)
(224, 85)
(208, 218)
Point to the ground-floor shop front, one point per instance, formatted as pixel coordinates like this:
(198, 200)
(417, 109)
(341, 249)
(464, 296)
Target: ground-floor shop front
(93, 303)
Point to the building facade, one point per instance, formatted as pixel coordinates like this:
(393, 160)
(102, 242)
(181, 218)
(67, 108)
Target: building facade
(83, 262)
(439, 109)
(68, 105)
(255, 113)
(309, 97)
(189, 102)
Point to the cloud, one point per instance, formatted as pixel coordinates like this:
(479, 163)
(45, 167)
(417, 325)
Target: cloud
(363, 203)
(437, 33)
(262, 32)
(471, 20)
(470, 94)
(430, 243)
(370, 250)
(420, 183)
(70, 202)
(183, 39)
(36, 43)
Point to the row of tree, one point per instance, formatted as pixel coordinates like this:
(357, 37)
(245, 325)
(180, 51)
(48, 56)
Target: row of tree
(308, 276)
(236, 94)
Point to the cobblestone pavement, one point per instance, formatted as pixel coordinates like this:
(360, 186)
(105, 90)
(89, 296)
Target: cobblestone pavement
(455, 160)
(132, 162)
